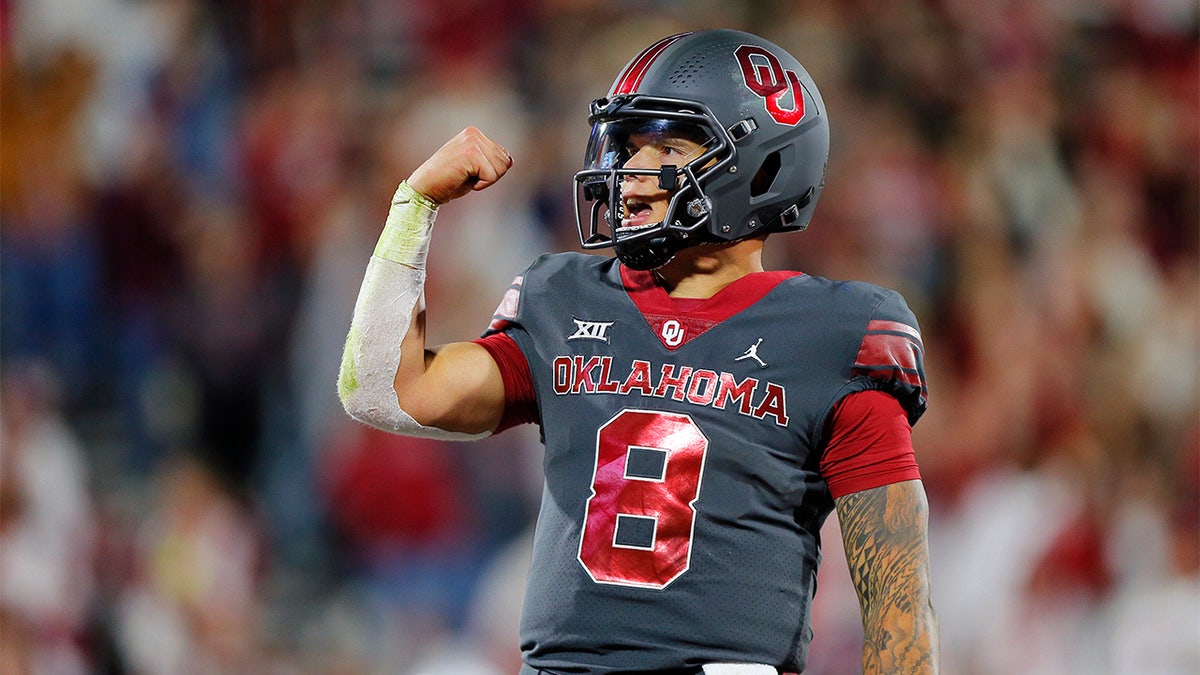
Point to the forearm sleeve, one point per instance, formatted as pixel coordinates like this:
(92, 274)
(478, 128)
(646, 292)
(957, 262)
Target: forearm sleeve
(391, 288)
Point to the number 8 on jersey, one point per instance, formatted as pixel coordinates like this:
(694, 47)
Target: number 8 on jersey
(638, 524)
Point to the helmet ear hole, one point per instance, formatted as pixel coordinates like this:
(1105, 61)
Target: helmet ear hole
(765, 177)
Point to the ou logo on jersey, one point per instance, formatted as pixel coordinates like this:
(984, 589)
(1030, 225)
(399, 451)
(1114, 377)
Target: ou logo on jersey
(672, 333)
(765, 76)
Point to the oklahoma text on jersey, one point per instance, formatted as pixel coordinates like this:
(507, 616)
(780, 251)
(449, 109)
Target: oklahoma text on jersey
(698, 386)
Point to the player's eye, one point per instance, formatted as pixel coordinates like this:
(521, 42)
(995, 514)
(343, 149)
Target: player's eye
(679, 150)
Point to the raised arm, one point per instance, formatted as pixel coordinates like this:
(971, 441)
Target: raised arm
(389, 379)
(885, 531)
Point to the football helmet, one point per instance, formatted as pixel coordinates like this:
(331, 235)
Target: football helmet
(764, 135)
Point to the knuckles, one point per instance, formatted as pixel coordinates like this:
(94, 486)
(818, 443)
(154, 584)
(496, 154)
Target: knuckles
(464, 163)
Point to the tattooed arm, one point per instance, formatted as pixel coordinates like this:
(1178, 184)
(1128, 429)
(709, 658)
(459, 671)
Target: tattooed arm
(885, 531)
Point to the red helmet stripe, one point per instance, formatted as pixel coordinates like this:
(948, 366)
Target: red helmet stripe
(631, 78)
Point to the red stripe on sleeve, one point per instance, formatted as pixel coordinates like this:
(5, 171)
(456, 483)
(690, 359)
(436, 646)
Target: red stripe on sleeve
(520, 401)
(889, 356)
(893, 326)
(506, 312)
(870, 444)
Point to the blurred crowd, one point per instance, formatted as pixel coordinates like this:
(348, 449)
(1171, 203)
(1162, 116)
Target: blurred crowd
(190, 189)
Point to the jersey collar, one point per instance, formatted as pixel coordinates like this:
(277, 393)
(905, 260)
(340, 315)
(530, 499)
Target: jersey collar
(676, 325)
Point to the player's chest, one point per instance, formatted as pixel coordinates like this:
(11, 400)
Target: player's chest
(741, 367)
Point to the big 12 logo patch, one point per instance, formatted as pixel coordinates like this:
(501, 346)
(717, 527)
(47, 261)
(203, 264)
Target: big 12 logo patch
(766, 77)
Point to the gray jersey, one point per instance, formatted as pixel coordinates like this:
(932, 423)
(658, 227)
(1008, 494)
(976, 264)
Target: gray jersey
(682, 506)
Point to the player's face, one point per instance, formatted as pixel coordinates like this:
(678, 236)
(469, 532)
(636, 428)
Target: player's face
(643, 202)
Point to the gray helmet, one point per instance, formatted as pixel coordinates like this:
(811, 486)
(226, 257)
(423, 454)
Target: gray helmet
(760, 119)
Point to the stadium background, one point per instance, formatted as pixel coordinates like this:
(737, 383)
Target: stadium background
(189, 191)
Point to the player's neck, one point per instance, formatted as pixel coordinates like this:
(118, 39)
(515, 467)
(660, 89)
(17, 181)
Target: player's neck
(702, 271)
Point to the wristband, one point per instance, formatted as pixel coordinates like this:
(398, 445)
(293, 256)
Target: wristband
(408, 229)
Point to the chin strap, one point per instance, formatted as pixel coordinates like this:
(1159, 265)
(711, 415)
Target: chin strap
(652, 252)
(392, 286)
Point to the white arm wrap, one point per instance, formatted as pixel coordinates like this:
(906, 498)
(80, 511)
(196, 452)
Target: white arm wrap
(391, 288)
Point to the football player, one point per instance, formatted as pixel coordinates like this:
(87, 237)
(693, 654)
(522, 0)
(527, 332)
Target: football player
(701, 416)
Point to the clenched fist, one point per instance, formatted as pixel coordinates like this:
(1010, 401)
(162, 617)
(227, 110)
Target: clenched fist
(469, 161)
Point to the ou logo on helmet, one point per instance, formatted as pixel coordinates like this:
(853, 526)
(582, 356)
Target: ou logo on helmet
(765, 76)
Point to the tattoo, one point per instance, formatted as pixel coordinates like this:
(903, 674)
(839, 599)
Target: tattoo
(885, 532)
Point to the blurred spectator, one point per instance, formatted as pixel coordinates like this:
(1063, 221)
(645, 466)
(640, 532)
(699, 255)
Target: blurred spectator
(193, 599)
(48, 250)
(46, 528)
(228, 324)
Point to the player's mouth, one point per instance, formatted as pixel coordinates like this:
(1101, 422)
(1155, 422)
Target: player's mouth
(637, 215)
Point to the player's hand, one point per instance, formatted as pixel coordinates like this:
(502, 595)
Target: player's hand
(469, 161)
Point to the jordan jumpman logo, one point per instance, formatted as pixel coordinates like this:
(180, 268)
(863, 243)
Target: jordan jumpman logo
(752, 353)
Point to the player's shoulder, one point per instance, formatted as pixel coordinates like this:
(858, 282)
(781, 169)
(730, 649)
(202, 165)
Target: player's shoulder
(547, 282)
(853, 297)
(878, 333)
(549, 265)
(553, 278)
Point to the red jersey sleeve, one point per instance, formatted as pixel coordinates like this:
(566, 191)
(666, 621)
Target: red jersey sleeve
(520, 403)
(870, 444)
